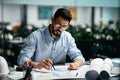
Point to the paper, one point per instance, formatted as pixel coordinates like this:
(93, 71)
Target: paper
(61, 72)
(115, 71)
(81, 72)
(42, 70)
(15, 75)
(116, 60)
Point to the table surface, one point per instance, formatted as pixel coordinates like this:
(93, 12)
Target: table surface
(112, 78)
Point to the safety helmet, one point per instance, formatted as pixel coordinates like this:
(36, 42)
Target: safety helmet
(3, 66)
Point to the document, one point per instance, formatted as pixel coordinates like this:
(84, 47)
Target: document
(60, 72)
(15, 75)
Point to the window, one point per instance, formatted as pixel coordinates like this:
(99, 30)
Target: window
(45, 12)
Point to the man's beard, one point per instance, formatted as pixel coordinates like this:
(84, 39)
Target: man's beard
(55, 32)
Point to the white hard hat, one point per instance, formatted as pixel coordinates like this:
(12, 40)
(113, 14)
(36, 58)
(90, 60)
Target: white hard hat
(3, 66)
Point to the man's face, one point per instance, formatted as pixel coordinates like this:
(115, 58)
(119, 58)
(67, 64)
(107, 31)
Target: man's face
(59, 25)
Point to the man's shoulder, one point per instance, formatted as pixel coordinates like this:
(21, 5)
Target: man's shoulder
(66, 33)
(39, 30)
(36, 33)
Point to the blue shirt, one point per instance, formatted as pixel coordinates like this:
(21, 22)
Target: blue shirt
(41, 46)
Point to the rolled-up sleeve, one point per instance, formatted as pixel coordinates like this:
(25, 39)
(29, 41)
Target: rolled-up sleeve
(73, 51)
(27, 51)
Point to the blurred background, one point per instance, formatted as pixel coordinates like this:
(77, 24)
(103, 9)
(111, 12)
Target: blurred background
(95, 25)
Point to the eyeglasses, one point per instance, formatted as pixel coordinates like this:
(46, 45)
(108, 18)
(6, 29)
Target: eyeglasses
(61, 26)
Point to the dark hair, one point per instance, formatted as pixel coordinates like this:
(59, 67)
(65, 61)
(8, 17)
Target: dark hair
(64, 13)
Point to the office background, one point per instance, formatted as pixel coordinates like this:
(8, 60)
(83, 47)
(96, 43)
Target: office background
(95, 25)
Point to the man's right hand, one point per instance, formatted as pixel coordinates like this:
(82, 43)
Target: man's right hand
(42, 64)
(47, 64)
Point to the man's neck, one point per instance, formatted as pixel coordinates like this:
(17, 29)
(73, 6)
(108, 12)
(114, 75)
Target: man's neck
(53, 36)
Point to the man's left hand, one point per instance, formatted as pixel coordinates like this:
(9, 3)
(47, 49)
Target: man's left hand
(75, 65)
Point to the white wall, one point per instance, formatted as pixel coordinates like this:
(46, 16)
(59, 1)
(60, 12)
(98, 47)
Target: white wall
(97, 16)
(110, 14)
(84, 16)
(12, 14)
(33, 16)
(107, 15)
(76, 3)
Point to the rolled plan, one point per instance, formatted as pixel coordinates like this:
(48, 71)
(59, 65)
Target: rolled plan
(92, 75)
(96, 64)
(94, 69)
(106, 69)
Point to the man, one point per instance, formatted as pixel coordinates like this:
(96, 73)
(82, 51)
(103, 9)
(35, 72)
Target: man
(51, 44)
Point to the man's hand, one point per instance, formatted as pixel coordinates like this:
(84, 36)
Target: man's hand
(47, 64)
(75, 65)
(43, 64)
(31, 63)
(27, 63)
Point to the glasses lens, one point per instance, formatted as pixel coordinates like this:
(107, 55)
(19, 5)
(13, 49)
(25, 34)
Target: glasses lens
(58, 25)
(62, 26)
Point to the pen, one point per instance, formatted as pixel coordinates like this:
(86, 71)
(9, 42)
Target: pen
(53, 66)
(76, 74)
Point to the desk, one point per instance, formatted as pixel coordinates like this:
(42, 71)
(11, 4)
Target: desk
(75, 78)
(6, 78)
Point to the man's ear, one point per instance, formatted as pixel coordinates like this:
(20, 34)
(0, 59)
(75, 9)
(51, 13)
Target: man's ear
(52, 19)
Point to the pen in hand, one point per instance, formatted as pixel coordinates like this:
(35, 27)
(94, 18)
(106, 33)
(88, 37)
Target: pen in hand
(53, 67)
(49, 61)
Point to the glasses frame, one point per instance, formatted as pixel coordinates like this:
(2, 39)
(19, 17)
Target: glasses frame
(57, 24)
